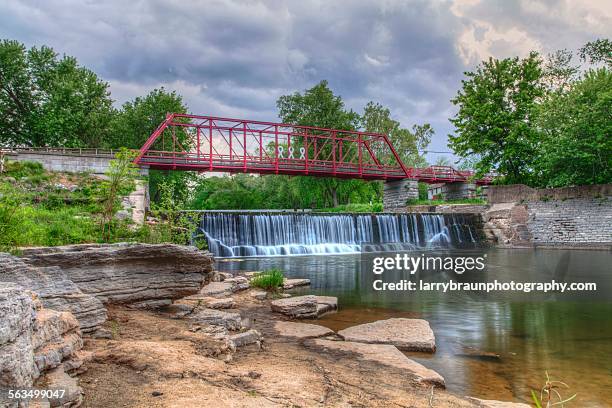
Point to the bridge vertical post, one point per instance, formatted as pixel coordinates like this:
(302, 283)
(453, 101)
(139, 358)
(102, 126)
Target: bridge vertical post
(198, 136)
(360, 155)
(244, 149)
(276, 149)
(306, 149)
(210, 142)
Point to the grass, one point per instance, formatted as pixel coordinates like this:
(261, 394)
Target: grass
(269, 280)
(354, 208)
(40, 208)
(439, 202)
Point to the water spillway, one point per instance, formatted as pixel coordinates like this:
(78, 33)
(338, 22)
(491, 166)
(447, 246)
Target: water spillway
(270, 234)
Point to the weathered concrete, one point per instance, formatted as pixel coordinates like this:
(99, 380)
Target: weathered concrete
(397, 192)
(458, 191)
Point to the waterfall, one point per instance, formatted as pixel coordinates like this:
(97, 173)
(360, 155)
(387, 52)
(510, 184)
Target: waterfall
(269, 234)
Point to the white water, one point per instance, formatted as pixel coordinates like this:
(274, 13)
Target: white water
(248, 234)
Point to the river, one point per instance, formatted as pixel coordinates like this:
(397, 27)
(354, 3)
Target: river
(569, 336)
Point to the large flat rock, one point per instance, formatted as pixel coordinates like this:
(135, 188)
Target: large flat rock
(308, 306)
(384, 354)
(299, 306)
(128, 273)
(55, 289)
(293, 283)
(406, 334)
(497, 404)
(301, 330)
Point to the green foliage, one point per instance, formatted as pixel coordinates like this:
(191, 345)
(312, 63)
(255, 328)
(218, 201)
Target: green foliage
(133, 125)
(46, 100)
(121, 177)
(177, 226)
(423, 191)
(319, 107)
(598, 51)
(576, 128)
(497, 104)
(541, 123)
(270, 280)
(376, 118)
(355, 208)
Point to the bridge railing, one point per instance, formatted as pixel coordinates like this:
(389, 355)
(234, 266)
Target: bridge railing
(63, 150)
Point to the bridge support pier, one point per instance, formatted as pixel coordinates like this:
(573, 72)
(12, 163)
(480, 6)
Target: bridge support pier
(459, 190)
(397, 192)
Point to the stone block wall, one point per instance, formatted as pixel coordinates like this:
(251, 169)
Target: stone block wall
(572, 221)
(397, 192)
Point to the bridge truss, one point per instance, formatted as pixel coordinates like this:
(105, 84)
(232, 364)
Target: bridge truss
(213, 144)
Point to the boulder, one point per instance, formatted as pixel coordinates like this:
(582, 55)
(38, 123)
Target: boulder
(383, 354)
(205, 301)
(238, 283)
(497, 404)
(55, 290)
(292, 283)
(222, 289)
(406, 334)
(299, 306)
(58, 379)
(128, 273)
(259, 294)
(326, 304)
(245, 338)
(301, 330)
(229, 320)
(17, 368)
(308, 306)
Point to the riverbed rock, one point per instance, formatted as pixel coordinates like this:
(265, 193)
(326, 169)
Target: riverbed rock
(128, 273)
(238, 283)
(497, 404)
(298, 307)
(229, 320)
(59, 379)
(17, 368)
(33, 340)
(222, 289)
(293, 283)
(326, 304)
(245, 338)
(383, 354)
(259, 294)
(301, 330)
(308, 306)
(406, 334)
(55, 290)
(206, 301)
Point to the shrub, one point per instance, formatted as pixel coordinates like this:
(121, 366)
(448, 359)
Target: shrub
(271, 279)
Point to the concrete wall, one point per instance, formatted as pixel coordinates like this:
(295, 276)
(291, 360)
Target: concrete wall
(396, 193)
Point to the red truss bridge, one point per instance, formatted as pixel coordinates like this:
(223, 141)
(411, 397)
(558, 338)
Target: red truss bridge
(213, 144)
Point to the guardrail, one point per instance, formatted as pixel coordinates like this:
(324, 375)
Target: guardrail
(62, 150)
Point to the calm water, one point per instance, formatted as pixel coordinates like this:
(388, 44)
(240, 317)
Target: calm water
(568, 336)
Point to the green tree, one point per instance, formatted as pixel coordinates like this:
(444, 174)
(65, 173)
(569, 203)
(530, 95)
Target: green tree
(576, 129)
(408, 143)
(319, 107)
(46, 100)
(497, 106)
(120, 181)
(133, 125)
(598, 51)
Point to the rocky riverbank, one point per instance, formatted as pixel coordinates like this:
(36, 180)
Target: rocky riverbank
(217, 342)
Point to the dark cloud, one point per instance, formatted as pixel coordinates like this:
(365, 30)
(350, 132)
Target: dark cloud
(234, 58)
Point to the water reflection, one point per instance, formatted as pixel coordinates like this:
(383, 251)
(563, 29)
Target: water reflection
(569, 335)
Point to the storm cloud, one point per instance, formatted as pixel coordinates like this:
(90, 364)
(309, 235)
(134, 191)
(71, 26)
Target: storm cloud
(235, 58)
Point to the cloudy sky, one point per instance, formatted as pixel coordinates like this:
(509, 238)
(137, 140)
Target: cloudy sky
(235, 58)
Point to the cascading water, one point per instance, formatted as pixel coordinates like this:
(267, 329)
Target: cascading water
(269, 234)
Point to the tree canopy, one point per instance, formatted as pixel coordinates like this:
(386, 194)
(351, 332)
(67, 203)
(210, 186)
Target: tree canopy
(47, 100)
(541, 122)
